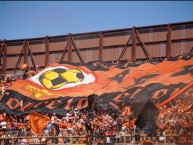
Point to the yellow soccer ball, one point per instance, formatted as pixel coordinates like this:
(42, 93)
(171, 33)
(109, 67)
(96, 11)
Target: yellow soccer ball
(56, 78)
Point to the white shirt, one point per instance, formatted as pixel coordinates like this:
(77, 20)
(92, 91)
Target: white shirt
(52, 119)
(3, 124)
(108, 140)
(23, 141)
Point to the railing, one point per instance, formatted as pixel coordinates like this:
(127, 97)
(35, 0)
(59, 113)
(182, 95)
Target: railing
(97, 140)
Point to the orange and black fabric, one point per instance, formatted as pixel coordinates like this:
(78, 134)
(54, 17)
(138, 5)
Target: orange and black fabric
(37, 122)
(58, 88)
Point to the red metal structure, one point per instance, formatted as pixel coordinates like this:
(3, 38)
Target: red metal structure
(131, 44)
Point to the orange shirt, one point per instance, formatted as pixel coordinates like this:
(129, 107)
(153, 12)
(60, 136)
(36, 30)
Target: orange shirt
(69, 125)
(21, 125)
(79, 125)
(8, 125)
(62, 124)
(126, 124)
(108, 133)
(1, 117)
(185, 124)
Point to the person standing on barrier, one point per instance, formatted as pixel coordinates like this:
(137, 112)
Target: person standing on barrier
(25, 73)
(137, 135)
(119, 123)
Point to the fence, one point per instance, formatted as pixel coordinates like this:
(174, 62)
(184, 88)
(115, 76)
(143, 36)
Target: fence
(98, 140)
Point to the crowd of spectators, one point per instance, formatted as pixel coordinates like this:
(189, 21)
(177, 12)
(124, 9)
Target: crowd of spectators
(176, 119)
(7, 80)
(171, 121)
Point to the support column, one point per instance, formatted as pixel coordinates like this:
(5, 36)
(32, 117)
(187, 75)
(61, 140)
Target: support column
(4, 67)
(144, 48)
(101, 46)
(133, 53)
(69, 48)
(124, 49)
(25, 52)
(64, 52)
(31, 55)
(47, 50)
(77, 50)
(191, 51)
(169, 42)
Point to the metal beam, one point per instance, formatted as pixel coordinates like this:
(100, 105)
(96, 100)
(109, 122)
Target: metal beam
(4, 67)
(125, 48)
(169, 42)
(24, 51)
(69, 48)
(25, 48)
(144, 46)
(191, 51)
(31, 55)
(64, 52)
(47, 50)
(18, 61)
(101, 46)
(77, 50)
(133, 51)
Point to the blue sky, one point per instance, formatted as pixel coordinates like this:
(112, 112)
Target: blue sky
(31, 19)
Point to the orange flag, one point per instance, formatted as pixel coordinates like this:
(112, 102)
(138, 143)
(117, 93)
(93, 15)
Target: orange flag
(37, 122)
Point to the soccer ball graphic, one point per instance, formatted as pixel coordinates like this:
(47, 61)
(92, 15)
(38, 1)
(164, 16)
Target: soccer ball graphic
(56, 78)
